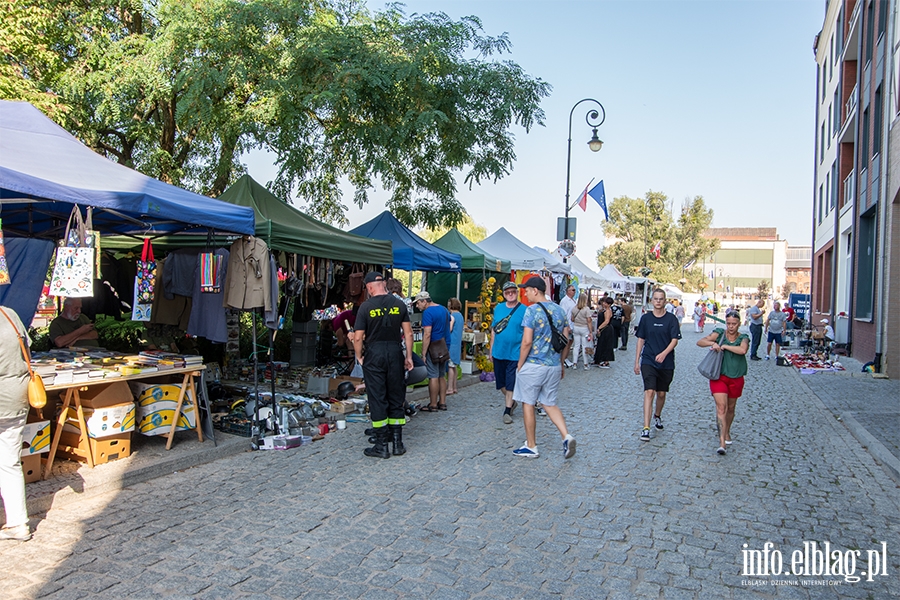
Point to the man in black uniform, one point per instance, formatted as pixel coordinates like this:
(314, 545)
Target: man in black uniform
(379, 323)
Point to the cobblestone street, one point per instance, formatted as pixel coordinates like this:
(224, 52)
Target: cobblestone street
(459, 517)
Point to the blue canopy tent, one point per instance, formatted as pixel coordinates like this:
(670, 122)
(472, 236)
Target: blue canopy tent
(45, 171)
(411, 253)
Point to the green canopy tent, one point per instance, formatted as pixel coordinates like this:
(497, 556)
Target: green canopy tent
(477, 265)
(282, 227)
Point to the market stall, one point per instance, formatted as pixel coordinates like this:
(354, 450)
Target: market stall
(47, 178)
(410, 252)
(477, 266)
(525, 260)
(587, 277)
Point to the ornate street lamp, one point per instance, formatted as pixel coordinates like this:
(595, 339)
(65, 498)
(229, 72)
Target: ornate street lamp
(594, 119)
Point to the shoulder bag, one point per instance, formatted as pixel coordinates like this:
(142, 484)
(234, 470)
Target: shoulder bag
(557, 339)
(711, 365)
(438, 350)
(500, 325)
(37, 395)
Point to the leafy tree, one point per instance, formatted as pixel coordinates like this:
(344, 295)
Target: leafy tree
(636, 225)
(180, 90)
(763, 288)
(468, 227)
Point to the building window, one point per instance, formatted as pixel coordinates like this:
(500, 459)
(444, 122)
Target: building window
(834, 184)
(864, 150)
(865, 272)
(870, 32)
(877, 133)
(820, 204)
(836, 119)
(822, 143)
(827, 191)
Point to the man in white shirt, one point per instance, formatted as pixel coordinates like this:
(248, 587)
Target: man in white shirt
(567, 303)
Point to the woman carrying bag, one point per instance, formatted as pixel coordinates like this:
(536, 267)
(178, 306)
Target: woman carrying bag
(14, 378)
(582, 330)
(730, 383)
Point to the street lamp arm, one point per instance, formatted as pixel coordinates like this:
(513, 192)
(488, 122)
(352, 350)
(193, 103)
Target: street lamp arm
(594, 118)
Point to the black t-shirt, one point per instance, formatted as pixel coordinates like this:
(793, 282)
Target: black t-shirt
(658, 333)
(381, 318)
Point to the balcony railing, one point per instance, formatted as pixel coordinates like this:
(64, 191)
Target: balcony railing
(850, 106)
(849, 188)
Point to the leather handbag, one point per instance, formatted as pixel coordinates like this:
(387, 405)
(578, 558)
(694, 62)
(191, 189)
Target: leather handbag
(37, 395)
(439, 352)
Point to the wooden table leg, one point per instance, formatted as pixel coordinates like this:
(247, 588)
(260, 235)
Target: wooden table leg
(187, 387)
(82, 424)
(59, 429)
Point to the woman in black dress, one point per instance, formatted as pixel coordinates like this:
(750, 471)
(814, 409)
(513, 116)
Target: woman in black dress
(606, 340)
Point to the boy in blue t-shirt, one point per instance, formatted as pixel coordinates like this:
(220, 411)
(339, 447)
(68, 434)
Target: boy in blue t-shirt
(540, 367)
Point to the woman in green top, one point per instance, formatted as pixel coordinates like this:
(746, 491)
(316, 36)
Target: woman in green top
(728, 387)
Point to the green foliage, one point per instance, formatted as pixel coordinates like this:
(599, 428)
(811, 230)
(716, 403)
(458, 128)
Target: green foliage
(637, 224)
(468, 227)
(180, 90)
(119, 336)
(40, 339)
(763, 288)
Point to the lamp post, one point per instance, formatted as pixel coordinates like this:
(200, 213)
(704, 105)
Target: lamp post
(594, 119)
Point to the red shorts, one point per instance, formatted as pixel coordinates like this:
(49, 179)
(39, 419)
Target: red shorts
(727, 385)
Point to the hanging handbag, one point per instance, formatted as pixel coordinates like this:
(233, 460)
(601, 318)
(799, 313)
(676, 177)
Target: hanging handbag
(4, 269)
(144, 284)
(711, 365)
(73, 271)
(88, 239)
(37, 395)
(557, 339)
(355, 284)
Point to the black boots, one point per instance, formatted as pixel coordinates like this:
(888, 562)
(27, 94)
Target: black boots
(380, 449)
(397, 438)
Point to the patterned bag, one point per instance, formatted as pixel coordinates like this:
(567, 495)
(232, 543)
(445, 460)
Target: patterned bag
(144, 284)
(4, 270)
(73, 272)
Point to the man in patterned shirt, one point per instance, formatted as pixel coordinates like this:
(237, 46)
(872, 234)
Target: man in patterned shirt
(541, 368)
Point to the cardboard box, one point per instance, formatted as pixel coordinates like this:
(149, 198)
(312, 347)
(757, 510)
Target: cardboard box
(103, 421)
(75, 447)
(36, 438)
(156, 406)
(467, 367)
(344, 406)
(101, 396)
(31, 467)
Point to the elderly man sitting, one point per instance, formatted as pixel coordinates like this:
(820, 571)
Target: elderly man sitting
(71, 328)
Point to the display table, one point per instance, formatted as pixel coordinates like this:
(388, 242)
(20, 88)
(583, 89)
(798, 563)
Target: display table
(73, 398)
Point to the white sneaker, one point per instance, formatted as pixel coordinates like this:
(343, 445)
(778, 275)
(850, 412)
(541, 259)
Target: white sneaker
(767, 357)
(526, 452)
(569, 446)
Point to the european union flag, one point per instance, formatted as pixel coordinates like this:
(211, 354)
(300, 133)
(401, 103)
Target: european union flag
(599, 194)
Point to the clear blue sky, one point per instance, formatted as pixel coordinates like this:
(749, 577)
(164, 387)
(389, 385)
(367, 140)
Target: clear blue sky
(712, 98)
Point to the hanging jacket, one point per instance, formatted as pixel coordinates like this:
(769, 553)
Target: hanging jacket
(248, 280)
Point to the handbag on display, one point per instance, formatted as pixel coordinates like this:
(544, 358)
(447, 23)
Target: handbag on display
(144, 284)
(73, 272)
(37, 395)
(711, 365)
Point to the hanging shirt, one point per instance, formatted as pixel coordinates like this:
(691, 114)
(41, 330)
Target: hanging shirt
(207, 313)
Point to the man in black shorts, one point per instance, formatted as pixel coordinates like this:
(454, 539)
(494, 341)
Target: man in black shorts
(379, 324)
(658, 333)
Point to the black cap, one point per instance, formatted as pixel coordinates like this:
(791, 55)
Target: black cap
(373, 276)
(534, 282)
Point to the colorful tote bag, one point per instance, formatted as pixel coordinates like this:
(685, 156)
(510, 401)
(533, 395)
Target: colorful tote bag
(4, 269)
(73, 272)
(144, 284)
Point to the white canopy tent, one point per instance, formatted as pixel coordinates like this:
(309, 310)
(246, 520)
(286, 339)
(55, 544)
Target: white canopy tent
(503, 244)
(587, 278)
(617, 282)
(672, 291)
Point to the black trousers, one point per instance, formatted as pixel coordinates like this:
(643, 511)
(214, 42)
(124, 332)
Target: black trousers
(384, 373)
(624, 334)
